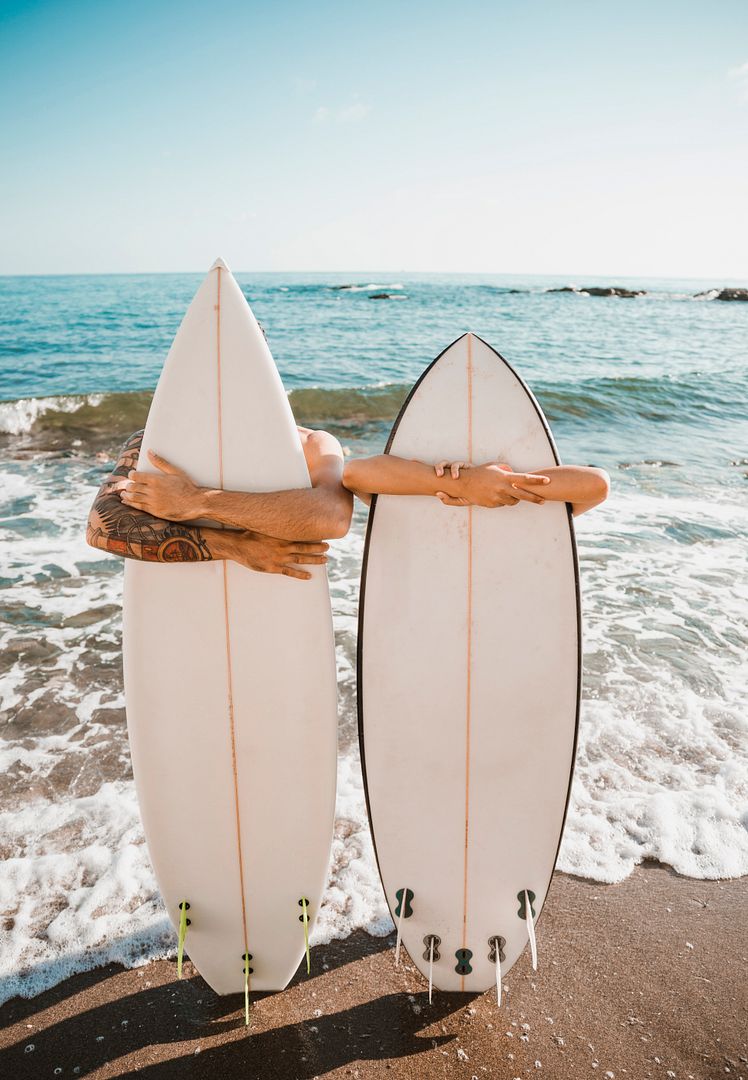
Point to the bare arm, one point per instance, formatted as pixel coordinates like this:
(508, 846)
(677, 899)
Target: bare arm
(307, 514)
(491, 484)
(319, 512)
(584, 486)
(135, 534)
(388, 474)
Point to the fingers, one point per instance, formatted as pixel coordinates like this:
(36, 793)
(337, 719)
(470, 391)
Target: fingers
(289, 571)
(451, 500)
(527, 478)
(163, 464)
(132, 491)
(454, 468)
(305, 547)
(140, 480)
(527, 496)
(316, 559)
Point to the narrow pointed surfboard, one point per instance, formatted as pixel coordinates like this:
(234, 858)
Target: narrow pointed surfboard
(469, 678)
(229, 673)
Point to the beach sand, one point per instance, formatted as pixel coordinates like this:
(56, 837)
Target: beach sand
(643, 979)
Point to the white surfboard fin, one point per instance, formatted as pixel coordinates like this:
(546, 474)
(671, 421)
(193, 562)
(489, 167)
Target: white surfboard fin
(495, 956)
(399, 939)
(531, 930)
(432, 943)
(246, 971)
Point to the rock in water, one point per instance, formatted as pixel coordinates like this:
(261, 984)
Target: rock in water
(611, 290)
(732, 294)
(599, 290)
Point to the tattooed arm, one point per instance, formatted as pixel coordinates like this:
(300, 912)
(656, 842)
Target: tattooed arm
(136, 534)
(121, 530)
(311, 513)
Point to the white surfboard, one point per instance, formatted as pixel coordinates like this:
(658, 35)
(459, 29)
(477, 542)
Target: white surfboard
(230, 675)
(469, 680)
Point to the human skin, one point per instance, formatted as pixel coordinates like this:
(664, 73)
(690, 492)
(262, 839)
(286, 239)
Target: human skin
(492, 484)
(322, 511)
(121, 526)
(171, 494)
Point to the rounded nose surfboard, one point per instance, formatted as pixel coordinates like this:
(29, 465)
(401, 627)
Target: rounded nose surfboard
(230, 678)
(469, 680)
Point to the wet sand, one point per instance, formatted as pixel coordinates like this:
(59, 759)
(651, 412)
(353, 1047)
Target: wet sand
(646, 979)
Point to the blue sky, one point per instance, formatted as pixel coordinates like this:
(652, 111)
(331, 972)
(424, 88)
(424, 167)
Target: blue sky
(529, 137)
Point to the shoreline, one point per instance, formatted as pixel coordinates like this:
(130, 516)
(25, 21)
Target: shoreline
(643, 979)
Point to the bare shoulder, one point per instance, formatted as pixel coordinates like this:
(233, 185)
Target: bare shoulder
(318, 444)
(324, 457)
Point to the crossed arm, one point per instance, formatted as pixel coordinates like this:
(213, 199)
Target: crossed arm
(146, 515)
(263, 535)
(491, 484)
(320, 512)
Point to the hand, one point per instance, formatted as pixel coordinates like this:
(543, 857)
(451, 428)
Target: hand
(172, 495)
(267, 554)
(493, 484)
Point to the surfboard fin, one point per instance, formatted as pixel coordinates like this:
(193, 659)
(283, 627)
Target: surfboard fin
(184, 922)
(496, 955)
(304, 917)
(432, 943)
(526, 911)
(246, 957)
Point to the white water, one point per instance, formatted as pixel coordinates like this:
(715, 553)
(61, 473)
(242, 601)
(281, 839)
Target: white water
(662, 768)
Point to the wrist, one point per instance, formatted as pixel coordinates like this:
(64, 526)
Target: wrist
(206, 502)
(458, 488)
(219, 542)
(445, 483)
(454, 488)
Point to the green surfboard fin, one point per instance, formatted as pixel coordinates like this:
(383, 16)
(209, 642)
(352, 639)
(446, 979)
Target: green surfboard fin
(184, 922)
(304, 904)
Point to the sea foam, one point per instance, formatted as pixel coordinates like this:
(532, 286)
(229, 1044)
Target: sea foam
(662, 766)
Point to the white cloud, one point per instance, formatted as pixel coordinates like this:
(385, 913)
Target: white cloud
(343, 114)
(739, 75)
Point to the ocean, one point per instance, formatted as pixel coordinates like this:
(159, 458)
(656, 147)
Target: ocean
(653, 388)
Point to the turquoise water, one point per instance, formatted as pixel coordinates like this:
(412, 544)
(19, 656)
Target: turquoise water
(658, 377)
(654, 389)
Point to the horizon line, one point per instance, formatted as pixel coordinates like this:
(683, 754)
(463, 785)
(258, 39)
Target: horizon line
(568, 277)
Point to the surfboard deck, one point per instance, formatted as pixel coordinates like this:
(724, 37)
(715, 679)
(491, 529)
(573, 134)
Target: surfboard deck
(469, 677)
(230, 676)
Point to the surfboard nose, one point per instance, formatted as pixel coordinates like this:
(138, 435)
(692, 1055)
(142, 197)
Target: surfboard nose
(219, 264)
